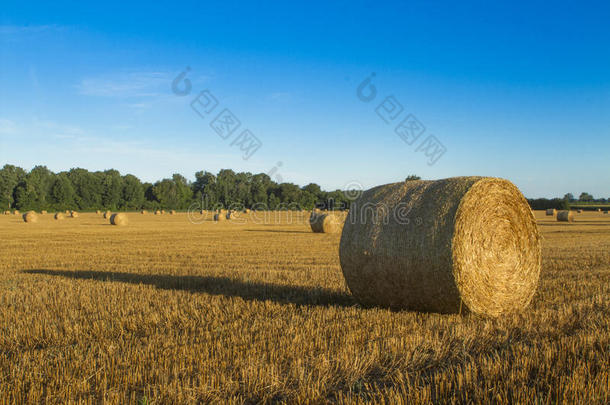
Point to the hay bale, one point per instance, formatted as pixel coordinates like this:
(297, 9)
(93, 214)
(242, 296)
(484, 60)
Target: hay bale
(143, 212)
(43, 212)
(323, 223)
(59, 216)
(67, 212)
(98, 212)
(16, 212)
(30, 217)
(565, 216)
(579, 211)
(162, 212)
(119, 219)
(157, 212)
(219, 217)
(551, 211)
(463, 244)
(7, 213)
(74, 214)
(172, 212)
(107, 214)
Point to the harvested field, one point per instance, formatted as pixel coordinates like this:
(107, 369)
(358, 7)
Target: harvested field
(242, 311)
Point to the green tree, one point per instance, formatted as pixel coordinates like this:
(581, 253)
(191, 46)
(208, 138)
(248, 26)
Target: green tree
(112, 189)
(62, 193)
(133, 193)
(586, 197)
(10, 176)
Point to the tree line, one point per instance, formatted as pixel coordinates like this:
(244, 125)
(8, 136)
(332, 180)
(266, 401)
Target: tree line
(80, 189)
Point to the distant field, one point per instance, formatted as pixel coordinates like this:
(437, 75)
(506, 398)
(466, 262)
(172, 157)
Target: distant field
(166, 311)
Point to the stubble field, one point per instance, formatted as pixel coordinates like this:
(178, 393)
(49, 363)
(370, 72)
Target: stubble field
(167, 311)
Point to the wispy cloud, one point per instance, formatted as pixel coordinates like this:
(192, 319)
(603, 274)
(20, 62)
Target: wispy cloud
(11, 33)
(7, 127)
(280, 96)
(126, 85)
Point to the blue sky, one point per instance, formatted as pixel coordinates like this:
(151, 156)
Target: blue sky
(519, 92)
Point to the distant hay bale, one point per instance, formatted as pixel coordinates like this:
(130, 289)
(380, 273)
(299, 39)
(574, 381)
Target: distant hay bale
(551, 211)
(30, 217)
(7, 213)
(98, 212)
(579, 211)
(17, 212)
(157, 212)
(162, 212)
(143, 212)
(323, 223)
(463, 244)
(59, 216)
(172, 212)
(43, 212)
(107, 214)
(119, 219)
(565, 216)
(219, 217)
(74, 214)
(67, 212)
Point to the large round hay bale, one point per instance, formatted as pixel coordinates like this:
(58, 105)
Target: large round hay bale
(59, 216)
(119, 219)
(7, 213)
(172, 212)
(17, 212)
(143, 212)
(162, 212)
(98, 212)
(323, 223)
(551, 211)
(463, 244)
(67, 212)
(107, 214)
(565, 216)
(30, 217)
(219, 217)
(157, 212)
(74, 214)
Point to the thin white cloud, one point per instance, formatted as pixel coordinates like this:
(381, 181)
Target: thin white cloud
(126, 85)
(7, 127)
(17, 33)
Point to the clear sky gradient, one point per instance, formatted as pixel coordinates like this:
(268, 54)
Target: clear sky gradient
(515, 91)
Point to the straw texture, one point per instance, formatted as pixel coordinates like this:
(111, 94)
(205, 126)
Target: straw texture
(453, 245)
(119, 219)
(323, 223)
(30, 217)
(565, 216)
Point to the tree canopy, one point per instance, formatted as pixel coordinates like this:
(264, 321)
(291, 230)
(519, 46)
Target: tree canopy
(81, 189)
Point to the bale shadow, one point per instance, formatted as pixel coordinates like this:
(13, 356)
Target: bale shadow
(251, 291)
